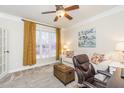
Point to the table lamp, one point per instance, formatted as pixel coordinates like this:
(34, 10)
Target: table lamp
(65, 47)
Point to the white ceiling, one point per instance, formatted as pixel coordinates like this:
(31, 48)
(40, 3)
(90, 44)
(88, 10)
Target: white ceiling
(33, 12)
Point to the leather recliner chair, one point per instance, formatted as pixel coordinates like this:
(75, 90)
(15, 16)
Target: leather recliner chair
(86, 73)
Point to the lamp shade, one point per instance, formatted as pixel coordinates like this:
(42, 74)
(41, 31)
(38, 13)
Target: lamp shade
(120, 46)
(65, 47)
(60, 13)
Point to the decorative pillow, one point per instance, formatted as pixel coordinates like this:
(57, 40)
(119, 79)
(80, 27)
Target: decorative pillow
(97, 58)
(69, 54)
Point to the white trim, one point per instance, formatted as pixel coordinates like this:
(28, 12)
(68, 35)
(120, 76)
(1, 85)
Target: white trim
(17, 18)
(112, 11)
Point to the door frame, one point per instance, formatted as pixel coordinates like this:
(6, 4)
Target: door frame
(5, 53)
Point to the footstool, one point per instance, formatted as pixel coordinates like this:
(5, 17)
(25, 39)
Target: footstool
(64, 73)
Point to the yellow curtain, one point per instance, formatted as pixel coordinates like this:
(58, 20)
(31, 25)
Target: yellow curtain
(58, 43)
(29, 53)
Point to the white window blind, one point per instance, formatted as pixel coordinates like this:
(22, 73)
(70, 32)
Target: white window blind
(46, 44)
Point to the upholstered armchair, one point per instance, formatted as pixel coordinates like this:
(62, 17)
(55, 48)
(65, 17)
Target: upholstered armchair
(86, 73)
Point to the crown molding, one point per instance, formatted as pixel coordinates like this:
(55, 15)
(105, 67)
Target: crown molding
(10, 17)
(99, 16)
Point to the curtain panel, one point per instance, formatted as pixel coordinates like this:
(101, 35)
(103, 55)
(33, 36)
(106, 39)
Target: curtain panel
(29, 53)
(58, 43)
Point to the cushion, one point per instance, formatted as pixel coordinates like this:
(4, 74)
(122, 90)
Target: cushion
(69, 54)
(97, 58)
(85, 66)
(82, 58)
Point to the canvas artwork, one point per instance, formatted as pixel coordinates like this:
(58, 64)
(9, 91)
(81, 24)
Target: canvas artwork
(87, 38)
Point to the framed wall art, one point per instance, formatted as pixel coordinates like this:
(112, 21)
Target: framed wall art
(87, 38)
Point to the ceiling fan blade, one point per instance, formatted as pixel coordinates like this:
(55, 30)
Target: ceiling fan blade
(70, 8)
(56, 18)
(48, 12)
(68, 16)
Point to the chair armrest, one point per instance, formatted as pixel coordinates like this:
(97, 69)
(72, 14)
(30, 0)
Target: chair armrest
(87, 84)
(104, 73)
(100, 83)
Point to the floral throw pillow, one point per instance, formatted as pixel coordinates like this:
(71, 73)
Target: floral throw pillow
(69, 54)
(97, 58)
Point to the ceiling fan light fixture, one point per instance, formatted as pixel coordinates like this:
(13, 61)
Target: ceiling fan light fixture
(60, 13)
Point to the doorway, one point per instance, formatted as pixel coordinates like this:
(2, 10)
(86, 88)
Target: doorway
(3, 52)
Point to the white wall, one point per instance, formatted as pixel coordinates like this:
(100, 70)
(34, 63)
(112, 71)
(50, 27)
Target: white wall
(63, 33)
(14, 26)
(109, 30)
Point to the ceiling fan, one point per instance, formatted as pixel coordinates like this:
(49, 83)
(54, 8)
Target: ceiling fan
(61, 11)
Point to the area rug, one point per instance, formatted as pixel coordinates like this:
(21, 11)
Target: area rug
(38, 77)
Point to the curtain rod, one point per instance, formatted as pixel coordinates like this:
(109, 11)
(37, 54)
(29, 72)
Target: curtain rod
(41, 24)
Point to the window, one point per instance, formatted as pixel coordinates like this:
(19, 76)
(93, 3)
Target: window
(45, 44)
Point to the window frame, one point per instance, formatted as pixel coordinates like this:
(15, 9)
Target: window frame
(47, 30)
